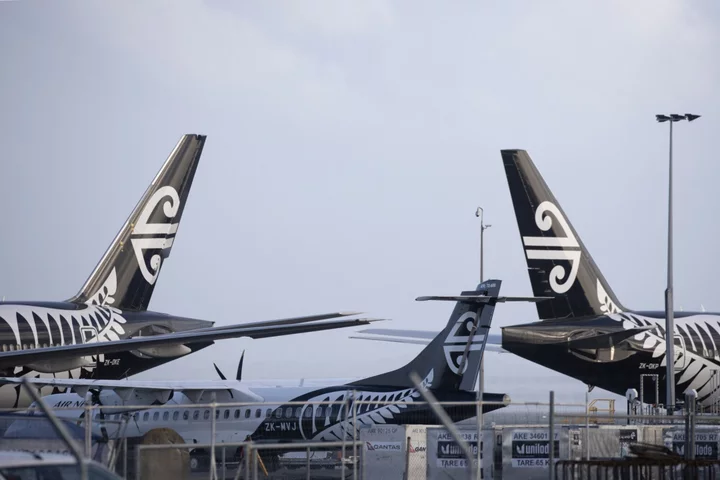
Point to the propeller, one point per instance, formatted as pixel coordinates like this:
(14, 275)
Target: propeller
(238, 375)
(222, 377)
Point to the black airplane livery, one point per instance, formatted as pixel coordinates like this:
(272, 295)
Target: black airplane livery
(105, 330)
(321, 410)
(584, 331)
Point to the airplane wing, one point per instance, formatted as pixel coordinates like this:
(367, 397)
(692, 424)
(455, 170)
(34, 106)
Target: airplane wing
(25, 357)
(481, 298)
(418, 337)
(141, 392)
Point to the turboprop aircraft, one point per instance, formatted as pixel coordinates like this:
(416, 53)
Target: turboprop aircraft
(584, 331)
(316, 410)
(106, 330)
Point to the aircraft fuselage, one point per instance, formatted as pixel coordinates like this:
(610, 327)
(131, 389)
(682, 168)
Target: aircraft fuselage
(558, 345)
(286, 414)
(37, 325)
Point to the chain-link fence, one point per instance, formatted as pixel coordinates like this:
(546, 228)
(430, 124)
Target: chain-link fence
(370, 439)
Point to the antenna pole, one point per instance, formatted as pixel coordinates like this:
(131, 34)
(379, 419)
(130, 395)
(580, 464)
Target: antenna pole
(669, 320)
(481, 374)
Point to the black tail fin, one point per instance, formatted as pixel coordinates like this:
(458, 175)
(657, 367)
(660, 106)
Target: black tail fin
(452, 359)
(127, 274)
(552, 246)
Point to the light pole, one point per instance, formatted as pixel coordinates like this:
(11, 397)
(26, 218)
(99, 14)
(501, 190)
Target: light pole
(481, 374)
(669, 318)
(483, 227)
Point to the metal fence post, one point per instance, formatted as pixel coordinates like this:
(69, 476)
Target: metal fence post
(551, 418)
(587, 426)
(690, 398)
(307, 463)
(445, 420)
(407, 459)
(355, 436)
(213, 457)
(88, 430)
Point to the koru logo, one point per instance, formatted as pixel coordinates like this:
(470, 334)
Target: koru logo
(457, 341)
(569, 247)
(162, 234)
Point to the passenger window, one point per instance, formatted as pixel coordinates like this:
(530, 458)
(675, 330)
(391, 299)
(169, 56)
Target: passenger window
(206, 415)
(166, 416)
(226, 415)
(186, 415)
(288, 412)
(268, 412)
(247, 413)
(308, 412)
(319, 411)
(258, 412)
(298, 411)
(196, 414)
(176, 414)
(147, 416)
(237, 413)
(278, 413)
(217, 414)
(156, 415)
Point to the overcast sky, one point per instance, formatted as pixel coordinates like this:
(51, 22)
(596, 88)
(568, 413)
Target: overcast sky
(349, 144)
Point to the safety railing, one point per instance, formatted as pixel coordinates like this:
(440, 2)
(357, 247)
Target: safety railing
(211, 424)
(637, 469)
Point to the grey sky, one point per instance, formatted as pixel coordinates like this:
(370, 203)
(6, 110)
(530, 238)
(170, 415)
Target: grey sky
(349, 144)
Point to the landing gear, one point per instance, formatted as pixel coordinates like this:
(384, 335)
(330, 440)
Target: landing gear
(199, 460)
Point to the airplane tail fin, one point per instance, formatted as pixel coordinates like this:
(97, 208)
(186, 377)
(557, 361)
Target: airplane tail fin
(127, 274)
(558, 263)
(451, 361)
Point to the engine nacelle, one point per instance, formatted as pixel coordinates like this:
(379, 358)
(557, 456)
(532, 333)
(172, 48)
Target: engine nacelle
(61, 365)
(166, 351)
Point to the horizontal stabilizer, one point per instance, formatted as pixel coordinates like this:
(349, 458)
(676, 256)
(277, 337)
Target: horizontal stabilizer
(418, 337)
(420, 334)
(29, 356)
(481, 298)
(606, 340)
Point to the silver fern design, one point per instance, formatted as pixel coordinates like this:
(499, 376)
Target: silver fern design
(50, 326)
(696, 368)
(112, 317)
(372, 408)
(98, 322)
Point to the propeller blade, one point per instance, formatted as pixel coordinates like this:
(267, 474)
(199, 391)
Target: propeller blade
(238, 376)
(222, 377)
